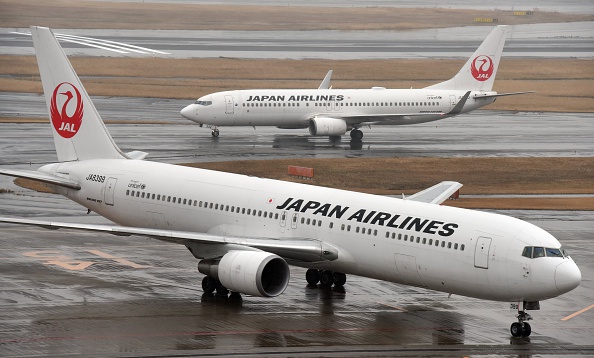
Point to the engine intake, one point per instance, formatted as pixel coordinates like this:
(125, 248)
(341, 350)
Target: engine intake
(255, 273)
(327, 126)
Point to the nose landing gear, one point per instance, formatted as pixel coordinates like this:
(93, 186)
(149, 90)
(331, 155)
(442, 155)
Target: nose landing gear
(521, 328)
(215, 132)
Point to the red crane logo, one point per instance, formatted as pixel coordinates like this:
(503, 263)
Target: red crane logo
(66, 125)
(482, 68)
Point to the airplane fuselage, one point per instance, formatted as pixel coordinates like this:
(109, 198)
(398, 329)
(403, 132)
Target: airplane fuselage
(294, 108)
(448, 249)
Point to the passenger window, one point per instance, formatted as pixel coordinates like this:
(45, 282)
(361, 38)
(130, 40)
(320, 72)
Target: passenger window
(308, 221)
(127, 192)
(527, 252)
(357, 229)
(538, 252)
(342, 227)
(184, 201)
(430, 241)
(424, 240)
(331, 225)
(436, 242)
(302, 220)
(462, 247)
(348, 227)
(456, 246)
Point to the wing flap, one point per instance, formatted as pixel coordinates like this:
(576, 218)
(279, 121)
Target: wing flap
(436, 194)
(42, 177)
(300, 249)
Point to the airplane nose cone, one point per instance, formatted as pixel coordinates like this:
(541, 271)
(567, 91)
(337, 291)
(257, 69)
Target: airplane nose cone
(188, 112)
(567, 276)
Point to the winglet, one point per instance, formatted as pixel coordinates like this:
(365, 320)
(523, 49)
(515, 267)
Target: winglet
(326, 82)
(436, 194)
(456, 110)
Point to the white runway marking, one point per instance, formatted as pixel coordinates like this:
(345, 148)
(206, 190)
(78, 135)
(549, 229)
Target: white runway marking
(108, 45)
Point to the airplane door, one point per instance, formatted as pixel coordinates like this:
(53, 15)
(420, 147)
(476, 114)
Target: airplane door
(294, 221)
(109, 190)
(229, 106)
(452, 102)
(481, 252)
(283, 219)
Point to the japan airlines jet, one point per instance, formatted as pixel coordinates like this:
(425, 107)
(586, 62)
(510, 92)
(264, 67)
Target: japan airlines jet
(246, 230)
(333, 112)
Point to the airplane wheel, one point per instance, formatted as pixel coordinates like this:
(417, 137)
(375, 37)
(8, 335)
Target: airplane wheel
(527, 330)
(339, 279)
(516, 329)
(356, 134)
(215, 133)
(312, 276)
(209, 284)
(221, 290)
(326, 279)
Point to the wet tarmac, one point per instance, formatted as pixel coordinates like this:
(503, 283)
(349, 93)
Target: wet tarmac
(70, 293)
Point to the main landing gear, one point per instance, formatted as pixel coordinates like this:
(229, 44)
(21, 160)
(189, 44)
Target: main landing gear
(325, 278)
(210, 285)
(356, 134)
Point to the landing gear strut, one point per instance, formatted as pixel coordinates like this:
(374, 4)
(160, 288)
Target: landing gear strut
(325, 278)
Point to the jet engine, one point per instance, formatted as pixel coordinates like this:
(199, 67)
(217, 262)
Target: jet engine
(255, 273)
(327, 126)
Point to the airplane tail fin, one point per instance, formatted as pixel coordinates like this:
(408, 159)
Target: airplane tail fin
(478, 74)
(78, 130)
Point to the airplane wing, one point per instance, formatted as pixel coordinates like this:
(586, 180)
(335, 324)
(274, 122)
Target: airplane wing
(436, 194)
(297, 249)
(42, 177)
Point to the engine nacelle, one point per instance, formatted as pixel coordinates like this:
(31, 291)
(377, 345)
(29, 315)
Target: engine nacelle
(327, 126)
(254, 273)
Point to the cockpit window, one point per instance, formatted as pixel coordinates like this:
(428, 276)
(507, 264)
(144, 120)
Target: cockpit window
(527, 252)
(535, 252)
(553, 252)
(538, 252)
(203, 103)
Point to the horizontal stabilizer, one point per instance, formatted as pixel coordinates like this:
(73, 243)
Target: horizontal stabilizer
(500, 94)
(136, 155)
(436, 194)
(299, 249)
(42, 177)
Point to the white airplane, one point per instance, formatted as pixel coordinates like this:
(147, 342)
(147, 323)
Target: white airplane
(246, 230)
(333, 112)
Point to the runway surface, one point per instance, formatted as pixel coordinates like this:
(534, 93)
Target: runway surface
(66, 293)
(479, 133)
(564, 40)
